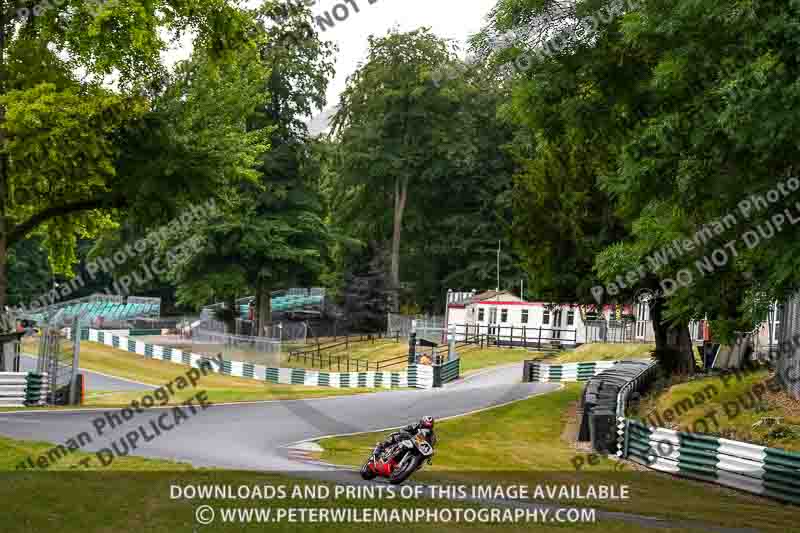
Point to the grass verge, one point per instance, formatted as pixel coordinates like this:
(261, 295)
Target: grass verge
(738, 406)
(220, 388)
(605, 352)
(529, 442)
(134, 494)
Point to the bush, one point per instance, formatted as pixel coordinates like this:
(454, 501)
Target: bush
(783, 432)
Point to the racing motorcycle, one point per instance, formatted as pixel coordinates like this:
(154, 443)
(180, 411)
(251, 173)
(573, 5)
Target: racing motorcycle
(400, 460)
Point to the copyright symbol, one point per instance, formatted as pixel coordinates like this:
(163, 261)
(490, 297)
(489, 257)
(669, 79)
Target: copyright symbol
(644, 296)
(204, 515)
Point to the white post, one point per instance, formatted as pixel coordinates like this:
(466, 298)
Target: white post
(498, 266)
(76, 350)
(451, 342)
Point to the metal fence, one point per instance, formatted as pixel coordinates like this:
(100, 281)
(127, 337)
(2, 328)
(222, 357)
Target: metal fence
(610, 331)
(401, 324)
(510, 335)
(284, 331)
(262, 350)
(639, 331)
(788, 335)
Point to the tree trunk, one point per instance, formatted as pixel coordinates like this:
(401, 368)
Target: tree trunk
(230, 322)
(3, 168)
(673, 344)
(400, 196)
(3, 260)
(263, 308)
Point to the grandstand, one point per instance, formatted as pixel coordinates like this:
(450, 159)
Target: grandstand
(291, 301)
(102, 307)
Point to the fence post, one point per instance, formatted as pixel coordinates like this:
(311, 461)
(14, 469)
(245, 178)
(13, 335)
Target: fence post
(525, 336)
(539, 344)
(412, 344)
(451, 343)
(512, 335)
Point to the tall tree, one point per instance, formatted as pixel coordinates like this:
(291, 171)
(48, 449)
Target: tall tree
(58, 176)
(677, 123)
(393, 125)
(274, 234)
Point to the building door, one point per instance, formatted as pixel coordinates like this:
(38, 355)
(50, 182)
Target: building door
(557, 324)
(492, 320)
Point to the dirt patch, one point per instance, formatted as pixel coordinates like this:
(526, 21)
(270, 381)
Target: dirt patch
(572, 425)
(788, 405)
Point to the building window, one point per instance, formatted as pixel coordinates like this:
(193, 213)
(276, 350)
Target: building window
(546, 317)
(480, 314)
(524, 316)
(571, 317)
(504, 315)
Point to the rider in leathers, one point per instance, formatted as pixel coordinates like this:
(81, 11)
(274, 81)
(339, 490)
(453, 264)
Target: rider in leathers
(408, 432)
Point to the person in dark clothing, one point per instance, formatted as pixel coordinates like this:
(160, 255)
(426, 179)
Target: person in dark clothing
(408, 432)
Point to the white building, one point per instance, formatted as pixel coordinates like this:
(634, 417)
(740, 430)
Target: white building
(518, 322)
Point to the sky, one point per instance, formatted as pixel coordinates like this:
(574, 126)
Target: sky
(451, 19)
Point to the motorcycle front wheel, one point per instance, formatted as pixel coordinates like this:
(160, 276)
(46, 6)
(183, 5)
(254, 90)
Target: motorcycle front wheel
(366, 471)
(408, 468)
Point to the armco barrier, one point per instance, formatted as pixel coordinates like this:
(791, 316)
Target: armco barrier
(143, 332)
(20, 389)
(747, 467)
(12, 389)
(542, 372)
(446, 372)
(35, 388)
(601, 397)
(314, 378)
(416, 376)
(768, 472)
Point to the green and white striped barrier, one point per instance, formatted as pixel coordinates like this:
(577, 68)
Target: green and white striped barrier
(446, 372)
(542, 372)
(747, 467)
(416, 376)
(20, 389)
(35, 388)
(12, 389)
(320, 378)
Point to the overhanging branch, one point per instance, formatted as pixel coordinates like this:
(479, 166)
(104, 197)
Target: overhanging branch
(107, 201)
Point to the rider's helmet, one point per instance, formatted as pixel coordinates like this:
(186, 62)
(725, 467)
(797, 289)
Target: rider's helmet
(426, 422)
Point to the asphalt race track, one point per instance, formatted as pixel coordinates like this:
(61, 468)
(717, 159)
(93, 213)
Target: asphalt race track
(258, 435)
(255, 435)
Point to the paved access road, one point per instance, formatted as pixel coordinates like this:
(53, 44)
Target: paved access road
(94, 381)
(255, 435)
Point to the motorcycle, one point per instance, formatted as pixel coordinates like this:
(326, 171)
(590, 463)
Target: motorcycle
(400, 460)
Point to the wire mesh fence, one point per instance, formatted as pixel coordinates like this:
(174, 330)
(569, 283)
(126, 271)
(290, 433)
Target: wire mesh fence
(261, 350)
(610, 331)
(398, 324)
(788, 335)
(289, 331)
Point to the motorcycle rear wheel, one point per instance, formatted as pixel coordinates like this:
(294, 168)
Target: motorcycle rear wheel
(398, 476)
